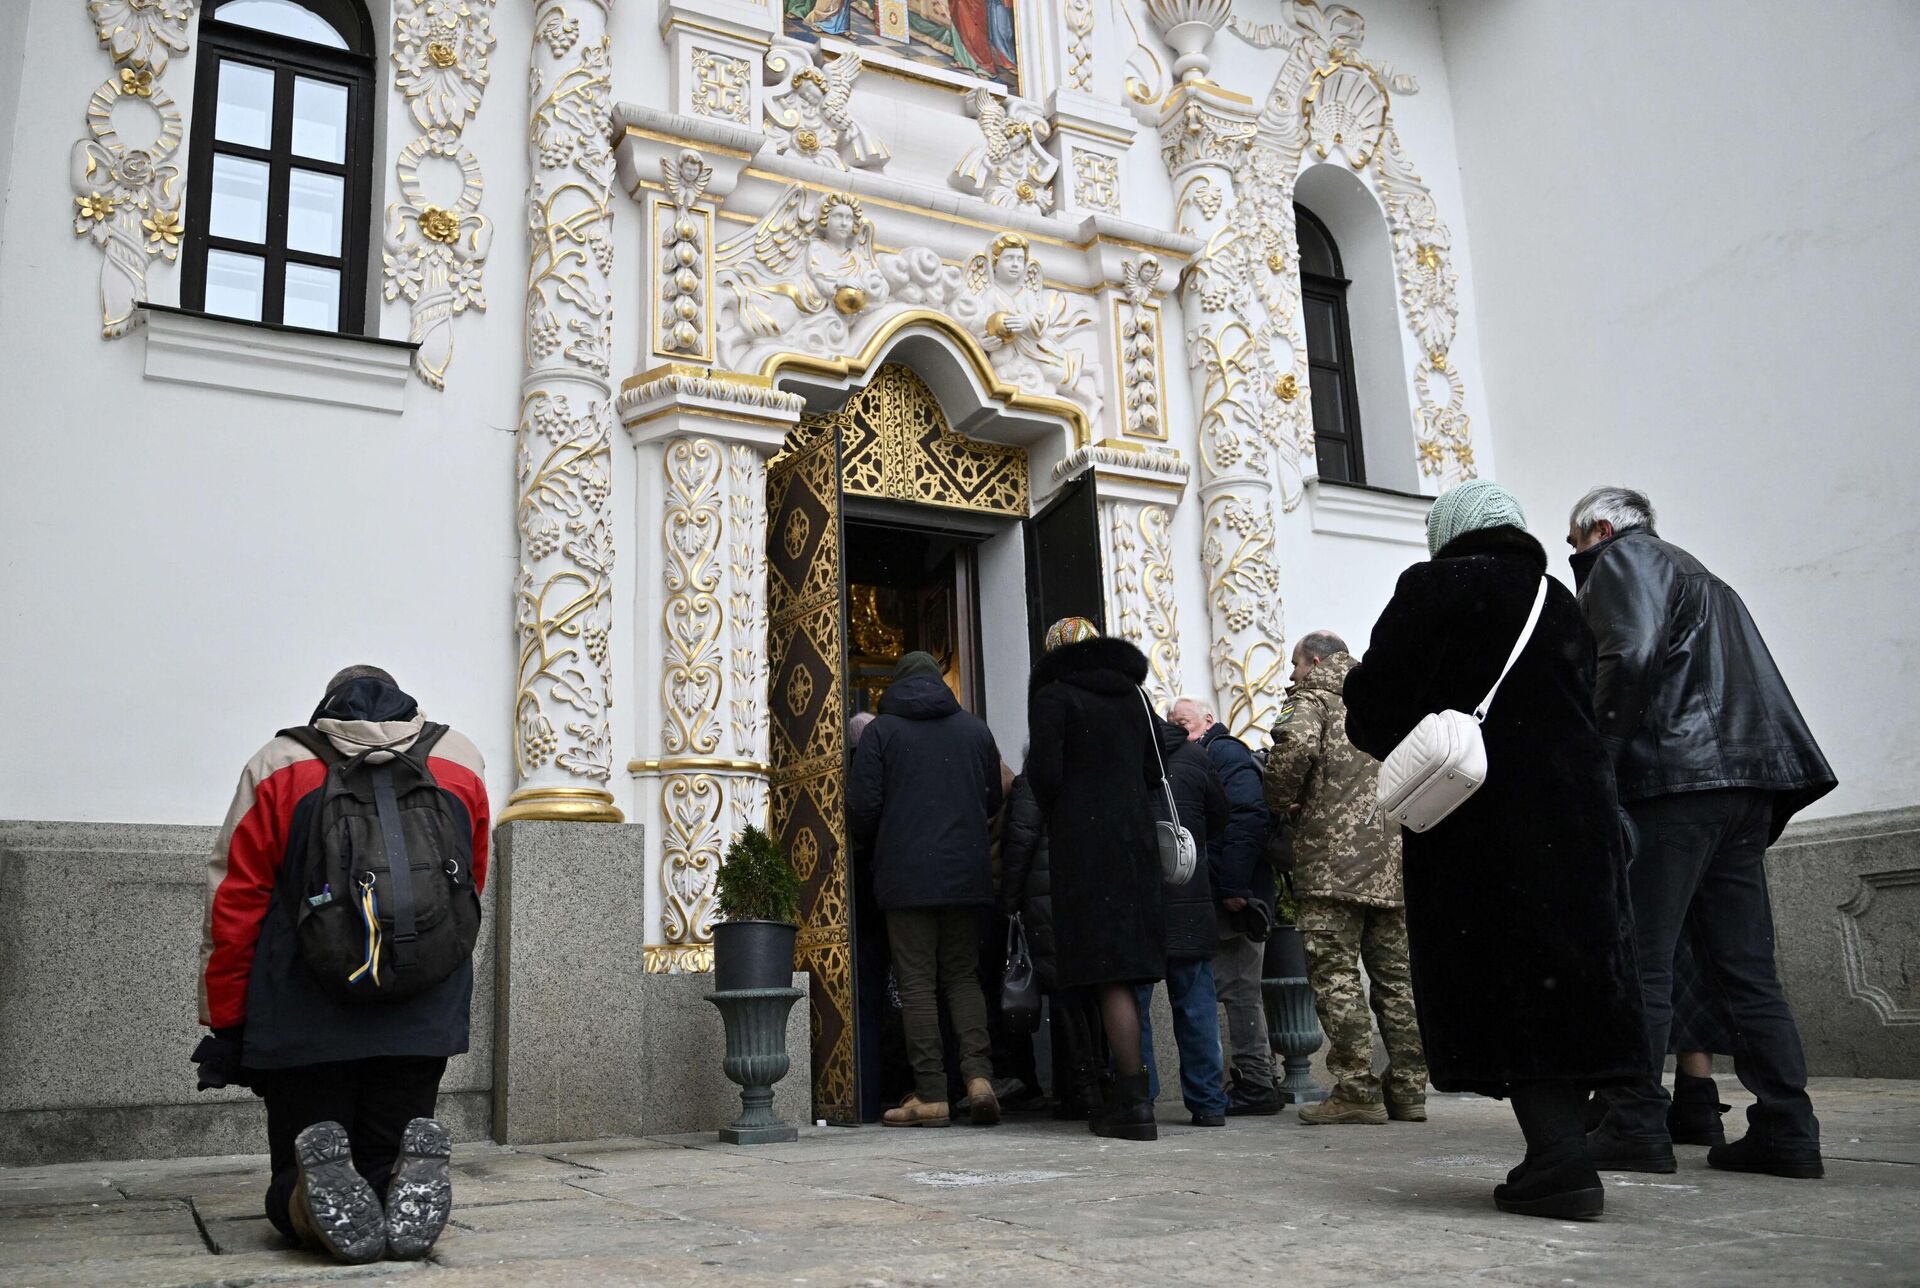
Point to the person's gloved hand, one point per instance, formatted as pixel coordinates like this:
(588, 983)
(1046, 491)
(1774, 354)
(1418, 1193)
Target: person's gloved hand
(218, 1056)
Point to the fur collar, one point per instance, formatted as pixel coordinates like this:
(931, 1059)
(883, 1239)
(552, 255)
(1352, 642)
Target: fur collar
(1103, 664)
(1504, 541)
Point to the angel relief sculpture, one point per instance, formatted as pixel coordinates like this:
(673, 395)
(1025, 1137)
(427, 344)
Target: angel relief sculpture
(809, 111)
(1024, 327)
(802, 278)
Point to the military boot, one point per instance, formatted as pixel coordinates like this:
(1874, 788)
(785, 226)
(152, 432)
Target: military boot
(1338, 1109)
(420, 1190)
(332, 1206)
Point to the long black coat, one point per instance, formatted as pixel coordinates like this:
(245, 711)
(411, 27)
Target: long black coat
(1026, 878)
(1094, 773)
(1518, 915)
(1193, 928)
(924, 783)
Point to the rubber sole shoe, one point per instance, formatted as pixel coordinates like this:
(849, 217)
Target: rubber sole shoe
(1611, 1153)
(1407, 1111)
(1571, 1205)
(1334, 1112)
(333, 1204)
(1209, 1120)
(420, 1192)
(1741, 1157)
(915, 1112)
(983, 1107)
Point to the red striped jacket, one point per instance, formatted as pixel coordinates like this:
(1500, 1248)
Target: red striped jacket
(253, 843)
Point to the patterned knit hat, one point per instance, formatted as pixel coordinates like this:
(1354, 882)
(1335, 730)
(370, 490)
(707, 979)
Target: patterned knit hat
(1070, 630)
(1480, 503)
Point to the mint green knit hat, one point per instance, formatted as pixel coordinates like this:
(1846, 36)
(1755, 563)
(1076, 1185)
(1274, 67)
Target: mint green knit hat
(1476, 504)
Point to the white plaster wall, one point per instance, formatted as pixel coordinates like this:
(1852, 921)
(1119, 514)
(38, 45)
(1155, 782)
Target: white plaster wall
(1695, 275)
(185, 567)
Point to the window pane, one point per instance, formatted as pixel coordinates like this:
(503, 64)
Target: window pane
(282, 18)
(235, 284)
(319, 119)
(245, 111)
(239, 205)
(314, 202)
(1334, 458)
(313, 297)
(1322, 322)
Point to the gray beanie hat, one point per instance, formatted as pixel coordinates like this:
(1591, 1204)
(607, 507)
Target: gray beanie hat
(1476, 504)
(915, 663)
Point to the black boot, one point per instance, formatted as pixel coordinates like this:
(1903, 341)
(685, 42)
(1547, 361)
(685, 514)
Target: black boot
(1129, 1111)
(1694, 1116)
(1611, 1152)
(1562, 1185)
(1753, 1152)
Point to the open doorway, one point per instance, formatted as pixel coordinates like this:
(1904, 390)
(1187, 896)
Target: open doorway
(910, 590)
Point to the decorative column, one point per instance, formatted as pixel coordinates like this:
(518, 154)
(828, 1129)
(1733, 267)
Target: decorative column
(704, 439)
(563, 597)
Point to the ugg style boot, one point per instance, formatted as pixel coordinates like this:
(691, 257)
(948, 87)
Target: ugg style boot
(1337, 1110)
(1129, 1111)
(420, 1190)
(1694, 1116)
(915, 1112)
(1562, 1185)
(983, 1107)
(332, 1206)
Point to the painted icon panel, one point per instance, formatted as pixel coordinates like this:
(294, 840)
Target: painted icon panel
(972, 37)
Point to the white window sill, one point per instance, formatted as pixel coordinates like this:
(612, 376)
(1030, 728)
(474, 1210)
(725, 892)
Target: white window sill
(1372, 514)
(277, 362)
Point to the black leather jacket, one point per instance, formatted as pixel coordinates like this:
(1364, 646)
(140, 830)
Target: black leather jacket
(1687, 696)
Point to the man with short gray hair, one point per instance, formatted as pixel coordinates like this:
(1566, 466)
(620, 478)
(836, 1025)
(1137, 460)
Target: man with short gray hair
(1712, 758)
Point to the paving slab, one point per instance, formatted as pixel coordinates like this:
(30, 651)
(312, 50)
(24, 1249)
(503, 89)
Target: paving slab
(1033, 1203)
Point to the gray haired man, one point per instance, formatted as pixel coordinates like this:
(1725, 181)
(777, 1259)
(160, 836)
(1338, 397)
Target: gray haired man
(1712, 758)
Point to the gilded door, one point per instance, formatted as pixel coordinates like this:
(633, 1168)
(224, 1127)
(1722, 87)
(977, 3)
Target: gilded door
(807, 693)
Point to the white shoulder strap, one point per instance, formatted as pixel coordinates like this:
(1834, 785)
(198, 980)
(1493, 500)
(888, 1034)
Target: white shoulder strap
(1526, 633)
(1153, 736)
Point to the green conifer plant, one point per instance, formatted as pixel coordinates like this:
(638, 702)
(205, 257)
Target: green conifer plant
(756, 882)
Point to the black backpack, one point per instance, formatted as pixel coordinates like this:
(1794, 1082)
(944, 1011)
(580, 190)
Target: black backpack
(364, 932)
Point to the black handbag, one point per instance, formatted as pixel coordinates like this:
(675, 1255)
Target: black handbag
(1019, 987)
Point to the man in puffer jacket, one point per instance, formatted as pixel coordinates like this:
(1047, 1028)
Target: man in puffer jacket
(1193, 932)
(924, 784)
(350, 1086)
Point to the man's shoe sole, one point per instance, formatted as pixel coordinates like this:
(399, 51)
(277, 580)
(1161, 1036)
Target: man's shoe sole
(917, 1122)
(1704, 1138)
(986, 1115)
(1792, 1169)
(420, 1193)
(1209, 1120)
(1129, 1131)
(1574, 1205)
(1356, 1116)
(341, 1208)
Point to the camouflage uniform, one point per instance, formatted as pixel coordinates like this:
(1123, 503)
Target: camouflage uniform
(1346, 875)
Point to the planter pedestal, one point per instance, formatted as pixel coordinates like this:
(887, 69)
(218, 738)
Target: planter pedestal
(1293, 1027)
(756, 1020)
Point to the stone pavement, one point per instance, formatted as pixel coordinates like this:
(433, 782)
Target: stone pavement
(1030, 1203)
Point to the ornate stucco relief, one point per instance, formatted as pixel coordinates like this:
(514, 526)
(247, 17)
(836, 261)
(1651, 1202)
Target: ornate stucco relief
(1137, 331)
(683, 316)
(126, 185)
(435, 243)
(720, 87)
(1008, 167)
(809, 111)
(563, 594)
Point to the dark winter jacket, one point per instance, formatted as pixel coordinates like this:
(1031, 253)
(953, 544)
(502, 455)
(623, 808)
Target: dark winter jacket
(1193, 929)
(1518, 919)
(1688, 698)
(924, 783)
(1026, 879)
(252, 974)
(1094, 772)
(1240, 850)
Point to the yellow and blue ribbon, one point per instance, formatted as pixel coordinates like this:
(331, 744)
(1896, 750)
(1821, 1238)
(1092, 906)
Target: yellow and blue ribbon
(370, 913)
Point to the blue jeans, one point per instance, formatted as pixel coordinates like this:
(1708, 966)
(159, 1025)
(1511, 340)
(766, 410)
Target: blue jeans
(1196, 1027)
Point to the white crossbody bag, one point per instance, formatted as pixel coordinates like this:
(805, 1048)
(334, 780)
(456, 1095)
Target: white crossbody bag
(1444, 760)
(1179, 855)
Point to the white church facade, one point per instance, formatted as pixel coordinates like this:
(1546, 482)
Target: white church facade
(638, 380)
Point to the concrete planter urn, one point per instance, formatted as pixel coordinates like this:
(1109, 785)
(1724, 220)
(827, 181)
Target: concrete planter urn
(756, 1059)
(1293, 1025)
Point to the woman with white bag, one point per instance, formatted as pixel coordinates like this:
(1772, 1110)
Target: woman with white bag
(1518, 917)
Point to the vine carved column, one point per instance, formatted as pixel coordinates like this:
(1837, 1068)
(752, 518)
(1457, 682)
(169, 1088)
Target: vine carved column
(704, 440)
(563, 596)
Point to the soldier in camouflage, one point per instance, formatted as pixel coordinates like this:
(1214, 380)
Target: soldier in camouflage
(1346, 876)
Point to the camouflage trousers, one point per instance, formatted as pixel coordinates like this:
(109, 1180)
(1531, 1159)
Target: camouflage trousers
(1339, 938)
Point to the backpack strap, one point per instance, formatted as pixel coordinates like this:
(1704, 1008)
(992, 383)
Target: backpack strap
(314, 741)
(399, 865)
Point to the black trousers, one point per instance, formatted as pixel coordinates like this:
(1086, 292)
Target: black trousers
(1700, 870)
(373, 1099)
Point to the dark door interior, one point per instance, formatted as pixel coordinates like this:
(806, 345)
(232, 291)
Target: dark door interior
(1063, 561)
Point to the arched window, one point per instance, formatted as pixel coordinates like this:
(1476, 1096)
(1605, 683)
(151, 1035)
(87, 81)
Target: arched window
(1336, 400)
(279, 171)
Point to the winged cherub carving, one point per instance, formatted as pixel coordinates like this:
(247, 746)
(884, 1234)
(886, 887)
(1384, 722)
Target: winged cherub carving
(808, 111)
(1024, 327)
(800, 276)
(1008, 166)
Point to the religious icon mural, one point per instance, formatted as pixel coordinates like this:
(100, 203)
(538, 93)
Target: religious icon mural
(973, 37)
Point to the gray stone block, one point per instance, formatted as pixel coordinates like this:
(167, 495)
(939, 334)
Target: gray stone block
(100, 952)
(1846, 917)
(685, 1090)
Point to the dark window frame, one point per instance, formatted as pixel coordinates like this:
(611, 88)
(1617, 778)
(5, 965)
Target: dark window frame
(1332, 291)
(286, 58)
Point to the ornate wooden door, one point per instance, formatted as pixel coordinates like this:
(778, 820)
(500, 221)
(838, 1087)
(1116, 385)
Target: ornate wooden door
(806, 598)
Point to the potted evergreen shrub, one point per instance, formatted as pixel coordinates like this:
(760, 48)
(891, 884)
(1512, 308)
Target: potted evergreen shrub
(758, 894)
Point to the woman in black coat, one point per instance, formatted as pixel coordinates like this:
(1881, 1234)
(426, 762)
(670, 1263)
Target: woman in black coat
(1094, 772)
(1518, 917)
